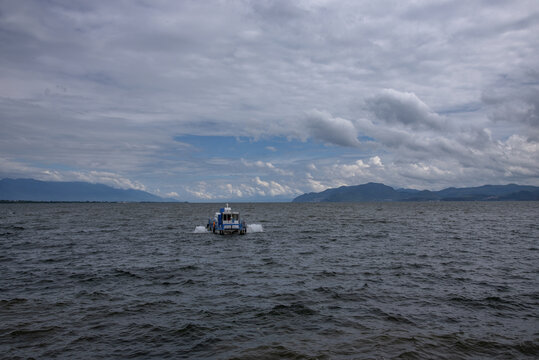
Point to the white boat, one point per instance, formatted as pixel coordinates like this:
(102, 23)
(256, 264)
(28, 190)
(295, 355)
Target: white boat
(226, 221)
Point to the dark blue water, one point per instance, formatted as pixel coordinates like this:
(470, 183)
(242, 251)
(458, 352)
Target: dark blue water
(322, 281)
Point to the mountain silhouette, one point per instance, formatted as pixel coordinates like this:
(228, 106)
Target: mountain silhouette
(36, 190)
(380, 192)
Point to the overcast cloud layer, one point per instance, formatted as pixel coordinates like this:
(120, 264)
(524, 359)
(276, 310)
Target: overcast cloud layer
(242, 100)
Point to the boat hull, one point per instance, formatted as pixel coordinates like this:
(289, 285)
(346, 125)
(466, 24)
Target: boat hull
(224, 229)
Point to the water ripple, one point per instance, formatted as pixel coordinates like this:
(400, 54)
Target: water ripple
(310, 281)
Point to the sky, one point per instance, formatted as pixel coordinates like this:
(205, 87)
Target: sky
(256, 100)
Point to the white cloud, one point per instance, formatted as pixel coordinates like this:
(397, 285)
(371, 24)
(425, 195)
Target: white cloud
(233, 191)
(376, 161)
(315, 186)
(403, 108)
(273, 188)
(256, 188)
(200, 191)
(514, 160)
(103, 177)
(359, 169)
(356, 169)
(321, 125)
(266, 165)
(425, 171)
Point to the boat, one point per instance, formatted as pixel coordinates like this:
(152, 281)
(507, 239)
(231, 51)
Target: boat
(226, 221)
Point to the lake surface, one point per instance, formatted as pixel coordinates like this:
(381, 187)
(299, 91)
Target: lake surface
(321, 281)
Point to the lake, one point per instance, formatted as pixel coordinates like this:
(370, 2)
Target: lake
(453, 280)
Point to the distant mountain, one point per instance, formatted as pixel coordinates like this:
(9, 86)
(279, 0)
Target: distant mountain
(381, 192)
(35, 190)
(365, 192)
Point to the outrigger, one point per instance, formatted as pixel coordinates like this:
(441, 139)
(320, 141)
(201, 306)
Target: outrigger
(227, 221)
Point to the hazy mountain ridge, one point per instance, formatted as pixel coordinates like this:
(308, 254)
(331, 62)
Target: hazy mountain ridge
(381, 192)
(36, 190)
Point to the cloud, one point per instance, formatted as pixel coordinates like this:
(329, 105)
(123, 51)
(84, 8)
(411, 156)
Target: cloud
(359, 171)
(514, 160)
(428, 93)
(13, 169)
(322, 126)
(515, 100)
(250, 189)
(234, 191)
(104, 177)
(273, 188)
(200, 191)
(265, 165)
(376, 161)
(403, 108)
(314, 185)
(352, 170)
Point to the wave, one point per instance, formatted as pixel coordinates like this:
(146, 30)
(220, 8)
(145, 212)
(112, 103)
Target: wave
(273, 351)
(289, 310)
(254, 228)
(200, 230)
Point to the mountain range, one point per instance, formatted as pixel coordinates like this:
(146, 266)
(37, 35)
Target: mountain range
(381, 192)
(36, 190)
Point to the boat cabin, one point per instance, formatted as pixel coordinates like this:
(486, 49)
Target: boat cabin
(227, 221)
